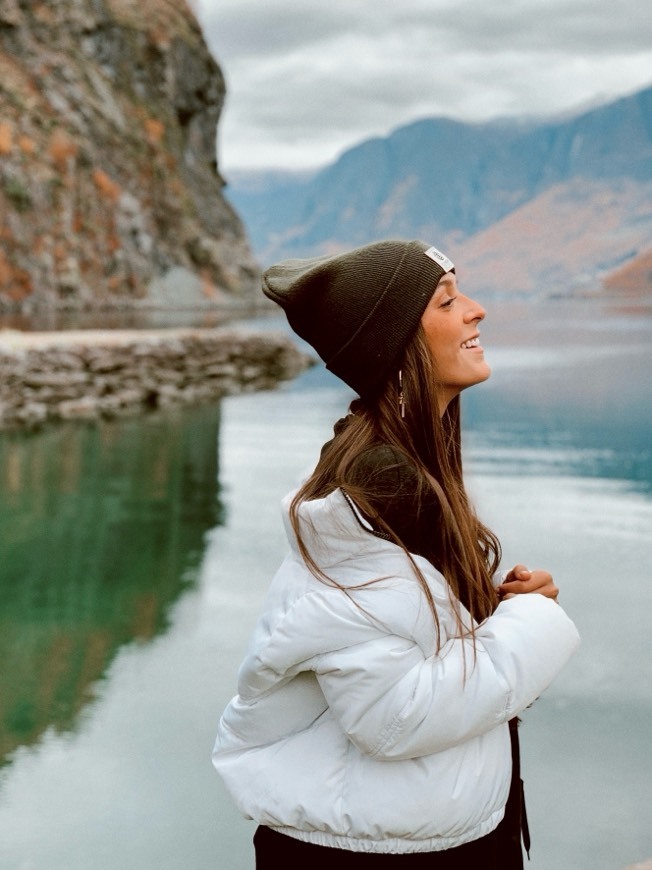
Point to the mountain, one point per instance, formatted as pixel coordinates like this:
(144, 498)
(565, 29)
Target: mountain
(109, 188)
(634, 278)
(539, 207)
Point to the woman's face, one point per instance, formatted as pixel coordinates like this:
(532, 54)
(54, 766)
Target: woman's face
(450, 323)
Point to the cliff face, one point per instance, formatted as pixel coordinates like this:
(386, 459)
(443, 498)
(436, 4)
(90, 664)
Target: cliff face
(109, 188)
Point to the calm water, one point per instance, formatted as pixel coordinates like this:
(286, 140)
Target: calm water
(133, 563)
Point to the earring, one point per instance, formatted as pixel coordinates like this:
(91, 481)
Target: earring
(401, 397)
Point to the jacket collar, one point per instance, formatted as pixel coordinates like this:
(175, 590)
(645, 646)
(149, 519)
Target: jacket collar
(332, 530)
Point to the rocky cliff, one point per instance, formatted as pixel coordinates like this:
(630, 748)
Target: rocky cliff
(109, 189)
(548, 207)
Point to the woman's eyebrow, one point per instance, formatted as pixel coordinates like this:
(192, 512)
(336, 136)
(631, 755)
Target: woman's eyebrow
(446, 285)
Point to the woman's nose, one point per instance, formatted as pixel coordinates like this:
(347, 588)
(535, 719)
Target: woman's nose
(474, 311)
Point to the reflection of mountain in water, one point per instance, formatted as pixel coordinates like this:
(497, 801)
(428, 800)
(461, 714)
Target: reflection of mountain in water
(101, 526)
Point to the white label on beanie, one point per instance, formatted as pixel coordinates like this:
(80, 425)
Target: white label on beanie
(439, 258)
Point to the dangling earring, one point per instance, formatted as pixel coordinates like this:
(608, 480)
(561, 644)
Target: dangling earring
(401, 397)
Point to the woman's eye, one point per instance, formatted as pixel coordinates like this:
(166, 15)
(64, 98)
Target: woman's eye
(448, 302)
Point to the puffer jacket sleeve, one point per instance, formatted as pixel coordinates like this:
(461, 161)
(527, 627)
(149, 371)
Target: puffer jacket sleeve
(395, 702)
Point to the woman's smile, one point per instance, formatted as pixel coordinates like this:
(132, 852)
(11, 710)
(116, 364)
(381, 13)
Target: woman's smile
(472, 343)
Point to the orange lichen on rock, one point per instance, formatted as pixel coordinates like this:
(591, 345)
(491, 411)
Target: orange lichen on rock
(155, 130)
(15, 284)
(106, 186)
(6, 138)
(27, 145)
(22, 286)
(6, 271)
(62, 148)
(113, 243)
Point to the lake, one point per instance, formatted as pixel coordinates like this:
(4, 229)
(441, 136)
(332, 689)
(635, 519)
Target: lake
(135, 553)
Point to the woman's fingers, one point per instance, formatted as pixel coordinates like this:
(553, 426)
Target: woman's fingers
(520, 580)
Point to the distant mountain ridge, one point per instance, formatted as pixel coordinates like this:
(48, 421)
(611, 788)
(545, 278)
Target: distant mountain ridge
(524, 206)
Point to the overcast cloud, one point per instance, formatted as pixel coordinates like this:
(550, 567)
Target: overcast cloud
(308, 79)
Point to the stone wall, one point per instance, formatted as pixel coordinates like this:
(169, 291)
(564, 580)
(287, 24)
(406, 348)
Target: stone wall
(49, 376)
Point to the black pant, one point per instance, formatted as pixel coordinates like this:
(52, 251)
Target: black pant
(274, 850)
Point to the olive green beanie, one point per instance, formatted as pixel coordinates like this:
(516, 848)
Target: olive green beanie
(359, 309)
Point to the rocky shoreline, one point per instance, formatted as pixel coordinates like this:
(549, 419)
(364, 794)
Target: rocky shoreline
(92, 373)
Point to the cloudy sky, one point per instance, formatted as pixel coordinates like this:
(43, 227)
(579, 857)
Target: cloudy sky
(308, 78)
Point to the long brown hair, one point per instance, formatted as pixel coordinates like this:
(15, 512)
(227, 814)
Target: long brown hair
(465, 551)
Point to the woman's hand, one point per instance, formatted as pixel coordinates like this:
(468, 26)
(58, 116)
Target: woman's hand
(521, 580)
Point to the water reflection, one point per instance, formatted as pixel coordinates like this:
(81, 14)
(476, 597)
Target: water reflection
(571, 386)
(134, 318)
(101, 527)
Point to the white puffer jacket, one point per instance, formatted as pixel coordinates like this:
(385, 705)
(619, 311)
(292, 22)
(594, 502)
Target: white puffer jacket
(349, 729)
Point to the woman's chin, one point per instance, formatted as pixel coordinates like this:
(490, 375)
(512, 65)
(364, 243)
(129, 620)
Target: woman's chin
(483, 373)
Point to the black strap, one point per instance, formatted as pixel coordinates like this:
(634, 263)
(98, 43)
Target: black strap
(515, 810)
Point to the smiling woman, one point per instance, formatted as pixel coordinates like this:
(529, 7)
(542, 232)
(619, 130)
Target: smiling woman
(387, 634)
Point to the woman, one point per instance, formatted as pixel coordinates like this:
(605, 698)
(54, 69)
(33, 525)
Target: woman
(375, 718)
